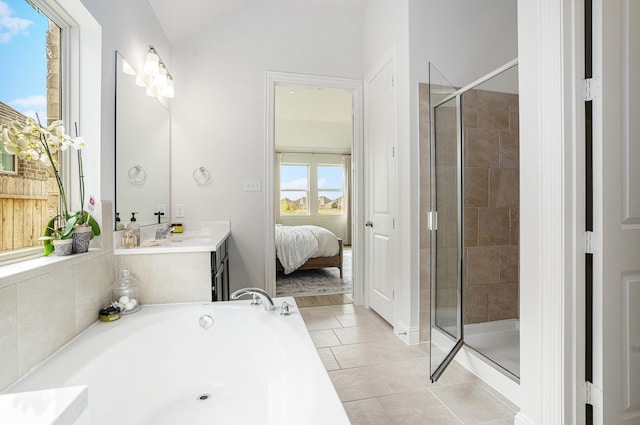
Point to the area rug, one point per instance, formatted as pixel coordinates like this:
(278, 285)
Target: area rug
(316, 282)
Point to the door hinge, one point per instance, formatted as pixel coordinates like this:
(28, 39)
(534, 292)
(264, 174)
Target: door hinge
(591, 88)
(393, 81)
(592, 243)
(593, 395)
(393, 294)
(432, 220)
(393, 222)
(393, 151)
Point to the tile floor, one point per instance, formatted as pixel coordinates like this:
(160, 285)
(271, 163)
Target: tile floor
(381, 380)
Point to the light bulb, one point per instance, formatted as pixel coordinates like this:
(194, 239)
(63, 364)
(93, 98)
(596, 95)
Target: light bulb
(160, 80)
(168, 91)
(152, 63)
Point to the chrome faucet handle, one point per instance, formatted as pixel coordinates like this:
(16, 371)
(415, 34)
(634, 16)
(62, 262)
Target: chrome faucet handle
(256, 300)
(286, 309)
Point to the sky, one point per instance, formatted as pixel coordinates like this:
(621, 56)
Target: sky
(23, 62)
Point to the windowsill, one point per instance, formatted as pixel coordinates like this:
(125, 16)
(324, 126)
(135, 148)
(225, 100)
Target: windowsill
(16, 272)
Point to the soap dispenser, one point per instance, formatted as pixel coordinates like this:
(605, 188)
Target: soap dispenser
(119, 225)
(135, 227)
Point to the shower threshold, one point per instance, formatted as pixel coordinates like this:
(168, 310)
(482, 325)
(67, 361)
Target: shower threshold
(499, 341)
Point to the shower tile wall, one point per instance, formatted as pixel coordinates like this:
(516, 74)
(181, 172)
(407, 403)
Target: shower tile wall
(491, 199)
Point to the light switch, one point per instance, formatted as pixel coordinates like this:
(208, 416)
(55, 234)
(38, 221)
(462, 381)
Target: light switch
(252, 185)
(179, 210)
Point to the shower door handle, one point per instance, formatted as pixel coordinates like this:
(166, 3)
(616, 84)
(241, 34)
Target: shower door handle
(369, 224)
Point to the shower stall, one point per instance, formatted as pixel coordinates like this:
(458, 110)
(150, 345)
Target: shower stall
(470, 210)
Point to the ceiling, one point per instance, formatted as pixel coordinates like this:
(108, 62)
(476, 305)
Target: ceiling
(182, 19)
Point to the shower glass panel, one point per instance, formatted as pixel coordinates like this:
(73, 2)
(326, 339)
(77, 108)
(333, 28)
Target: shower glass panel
(446, 272)
(491, 219)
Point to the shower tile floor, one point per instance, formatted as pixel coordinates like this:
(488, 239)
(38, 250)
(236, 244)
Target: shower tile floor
(383, 381)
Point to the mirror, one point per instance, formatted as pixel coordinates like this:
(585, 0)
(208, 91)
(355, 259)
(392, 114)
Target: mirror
(142, 150)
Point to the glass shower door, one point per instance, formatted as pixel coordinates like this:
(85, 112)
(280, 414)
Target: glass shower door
(446, 223)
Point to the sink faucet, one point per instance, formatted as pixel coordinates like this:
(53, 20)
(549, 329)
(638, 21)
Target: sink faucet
(260, 293)
(162, 234)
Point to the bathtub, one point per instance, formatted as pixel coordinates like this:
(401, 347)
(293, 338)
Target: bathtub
(168, 364)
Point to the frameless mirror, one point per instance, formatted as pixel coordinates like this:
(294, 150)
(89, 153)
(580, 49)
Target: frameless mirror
(142, 150)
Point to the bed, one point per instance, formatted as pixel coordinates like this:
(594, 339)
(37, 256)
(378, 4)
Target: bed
(307, 247)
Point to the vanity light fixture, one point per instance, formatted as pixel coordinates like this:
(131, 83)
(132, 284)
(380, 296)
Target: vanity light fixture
(152, 62)
(168, 89)
(157, 78)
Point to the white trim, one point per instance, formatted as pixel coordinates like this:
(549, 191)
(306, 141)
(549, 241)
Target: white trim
(409, 334)
(522, 419)
(489, 374)
(550, 211)
(271, 79)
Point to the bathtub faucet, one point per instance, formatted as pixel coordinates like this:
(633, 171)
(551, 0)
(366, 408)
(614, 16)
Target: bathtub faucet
(260, 293)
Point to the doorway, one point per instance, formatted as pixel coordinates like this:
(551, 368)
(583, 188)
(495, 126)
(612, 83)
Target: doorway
(313, 181)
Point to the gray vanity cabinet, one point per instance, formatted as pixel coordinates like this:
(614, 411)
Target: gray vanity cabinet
(220, 272)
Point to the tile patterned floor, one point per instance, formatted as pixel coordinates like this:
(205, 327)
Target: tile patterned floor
(383, 381)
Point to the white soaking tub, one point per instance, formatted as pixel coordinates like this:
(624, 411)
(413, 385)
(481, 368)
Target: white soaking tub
(160, 366)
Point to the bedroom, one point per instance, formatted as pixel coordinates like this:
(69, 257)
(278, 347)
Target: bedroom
(312, 185)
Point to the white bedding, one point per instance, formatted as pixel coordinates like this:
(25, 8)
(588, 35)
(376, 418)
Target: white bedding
(296, 244)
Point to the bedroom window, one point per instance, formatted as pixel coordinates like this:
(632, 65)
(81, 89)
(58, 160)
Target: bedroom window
(294, 189)
(330, 190)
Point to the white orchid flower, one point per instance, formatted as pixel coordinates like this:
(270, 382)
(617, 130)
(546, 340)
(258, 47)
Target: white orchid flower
(29, 154)
(11, 148)
(79, 143)
(56, 128)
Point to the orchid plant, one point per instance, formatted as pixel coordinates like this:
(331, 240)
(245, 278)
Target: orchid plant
(33, 141)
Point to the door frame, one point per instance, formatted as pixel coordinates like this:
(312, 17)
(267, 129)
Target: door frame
(272, 79)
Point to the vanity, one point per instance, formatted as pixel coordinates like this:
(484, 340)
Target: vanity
(184, 267)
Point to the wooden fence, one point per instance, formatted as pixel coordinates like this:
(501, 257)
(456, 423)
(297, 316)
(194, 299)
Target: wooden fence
(25, 211)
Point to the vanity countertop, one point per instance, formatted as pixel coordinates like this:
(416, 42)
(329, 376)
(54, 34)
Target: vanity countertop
(205, 236)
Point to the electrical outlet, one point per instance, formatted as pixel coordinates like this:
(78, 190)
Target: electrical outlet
(179, 210)
(252, 185)
(162, 208)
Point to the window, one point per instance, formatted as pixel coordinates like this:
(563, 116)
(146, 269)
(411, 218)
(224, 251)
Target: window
(31, 42)
(330, 190)
(294, 189)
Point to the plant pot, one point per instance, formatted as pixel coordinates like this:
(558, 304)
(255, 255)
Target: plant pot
(63, 247)
(81, 238)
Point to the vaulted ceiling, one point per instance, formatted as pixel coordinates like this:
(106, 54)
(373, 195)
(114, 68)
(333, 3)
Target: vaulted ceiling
(182, 19)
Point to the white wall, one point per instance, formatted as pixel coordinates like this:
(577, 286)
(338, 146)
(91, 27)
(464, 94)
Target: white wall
(128, 27)
(464, 40)
(219, 110)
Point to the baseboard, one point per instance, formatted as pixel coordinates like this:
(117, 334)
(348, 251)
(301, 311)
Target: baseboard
(522, 419)
(410, 335)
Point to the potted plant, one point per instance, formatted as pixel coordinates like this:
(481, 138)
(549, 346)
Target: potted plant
(34, 141)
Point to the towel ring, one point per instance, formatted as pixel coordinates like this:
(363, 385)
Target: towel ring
(201, 175)
(137, 175)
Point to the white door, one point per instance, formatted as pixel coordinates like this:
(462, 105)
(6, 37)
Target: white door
(380, 186)
(617, 211)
